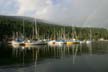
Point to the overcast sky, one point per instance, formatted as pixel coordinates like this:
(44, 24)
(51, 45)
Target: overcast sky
(68, 12)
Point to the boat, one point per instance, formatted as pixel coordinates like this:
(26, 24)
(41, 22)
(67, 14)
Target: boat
(83, 41)
(38, 42)
(88, 41)
(56, 43)
(51, 42)
(17, 41)
(13, 42)
(35, 40)
(74, 39)
(90, 38)
(60, 41)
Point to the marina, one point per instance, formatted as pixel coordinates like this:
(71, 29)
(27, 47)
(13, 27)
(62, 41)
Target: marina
(53, 36)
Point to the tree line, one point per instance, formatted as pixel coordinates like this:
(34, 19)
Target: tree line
(10, 25)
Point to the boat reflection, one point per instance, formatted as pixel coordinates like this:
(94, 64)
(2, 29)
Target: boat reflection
(53, 51)
(42, 55)
(37, 53)
(89, 46)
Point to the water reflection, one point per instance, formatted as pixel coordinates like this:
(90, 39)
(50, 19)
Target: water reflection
(34, 55)
(89, 46)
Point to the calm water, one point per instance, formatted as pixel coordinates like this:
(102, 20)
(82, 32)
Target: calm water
(74, 58)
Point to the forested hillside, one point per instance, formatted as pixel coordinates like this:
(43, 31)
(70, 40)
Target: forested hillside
(25, 25)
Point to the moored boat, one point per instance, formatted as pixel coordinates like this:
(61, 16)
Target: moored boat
(74, 41)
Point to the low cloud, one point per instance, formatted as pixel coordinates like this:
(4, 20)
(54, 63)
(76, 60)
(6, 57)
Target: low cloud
(90, 13)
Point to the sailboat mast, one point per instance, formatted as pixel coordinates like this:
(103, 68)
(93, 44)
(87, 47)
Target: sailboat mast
(73, 33)
(35, 29)
(64, 34)
(33, 33)
(54, 34)
(90, 34)
(23, 27)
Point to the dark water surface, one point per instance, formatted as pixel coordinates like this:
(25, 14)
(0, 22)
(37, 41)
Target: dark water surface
(74, 58)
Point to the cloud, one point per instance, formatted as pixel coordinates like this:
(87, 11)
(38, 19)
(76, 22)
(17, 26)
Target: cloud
(91, 13)
(38, 8)
(25, 6)
(8, 7)
(67, 12)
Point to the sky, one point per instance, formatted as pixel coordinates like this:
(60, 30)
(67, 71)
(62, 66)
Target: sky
(84, 13)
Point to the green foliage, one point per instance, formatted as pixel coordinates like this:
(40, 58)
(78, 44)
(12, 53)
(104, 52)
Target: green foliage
(10, 25)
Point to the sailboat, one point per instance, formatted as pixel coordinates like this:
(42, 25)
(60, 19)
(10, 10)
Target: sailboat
(36, 41)
(53, 41)
(61, 40)
(18, 40)
(57, 42)
(74, 39)
(90, 38)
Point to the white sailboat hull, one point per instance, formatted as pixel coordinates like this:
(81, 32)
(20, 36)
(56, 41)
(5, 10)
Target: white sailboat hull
(88, 42)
